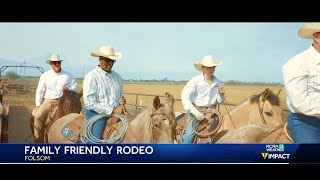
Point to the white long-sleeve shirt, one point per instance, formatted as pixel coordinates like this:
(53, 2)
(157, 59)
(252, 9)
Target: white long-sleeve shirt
(102, 91)
(302, 82)
(199, 92)
(51, 83)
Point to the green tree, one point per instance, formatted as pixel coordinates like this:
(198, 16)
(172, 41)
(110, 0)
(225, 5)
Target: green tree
(12, 75)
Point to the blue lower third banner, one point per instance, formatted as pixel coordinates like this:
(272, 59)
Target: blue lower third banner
(159, 153)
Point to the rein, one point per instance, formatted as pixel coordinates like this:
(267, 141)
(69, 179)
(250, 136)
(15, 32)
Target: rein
(225, 106)
(273, 131)
(260, 107)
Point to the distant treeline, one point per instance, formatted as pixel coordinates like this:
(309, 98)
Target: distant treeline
(254, 83)
(12, 76)
(230, 82)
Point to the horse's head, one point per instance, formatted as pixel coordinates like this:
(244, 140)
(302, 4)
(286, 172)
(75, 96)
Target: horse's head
(163, 121)
(268, 110)
(155, 124)
(70, 103)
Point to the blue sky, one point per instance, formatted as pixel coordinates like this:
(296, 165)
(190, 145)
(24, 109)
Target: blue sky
(249, 51)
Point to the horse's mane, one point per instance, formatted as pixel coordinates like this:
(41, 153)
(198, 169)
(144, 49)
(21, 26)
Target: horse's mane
(69, 95)
(269, 95)
(70, 103)
(142, 125)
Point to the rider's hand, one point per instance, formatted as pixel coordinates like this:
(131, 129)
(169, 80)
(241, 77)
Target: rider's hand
(221, 91)
(118, 110)
(123, 100)
(197, 114)
(36, 109)
(65, 88)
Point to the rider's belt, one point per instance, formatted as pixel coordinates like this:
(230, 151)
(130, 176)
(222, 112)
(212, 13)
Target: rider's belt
(204, 108)
(306, 116)
(53, 99)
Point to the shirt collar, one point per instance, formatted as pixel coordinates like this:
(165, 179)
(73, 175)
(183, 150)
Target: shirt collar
(55, 72)
(98, 68)
(314, 53)
(213, 77)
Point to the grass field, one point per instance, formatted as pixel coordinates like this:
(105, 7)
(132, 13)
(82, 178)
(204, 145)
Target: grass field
(234, 94)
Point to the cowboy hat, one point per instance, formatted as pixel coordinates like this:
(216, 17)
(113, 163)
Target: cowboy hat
(308, 30)
(54, 57)
(107, 52)
(207, 61)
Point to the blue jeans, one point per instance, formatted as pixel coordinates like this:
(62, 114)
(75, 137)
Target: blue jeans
(188, 137)
(304, 129)
(98, 126)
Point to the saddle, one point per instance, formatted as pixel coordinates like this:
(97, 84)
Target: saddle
(209, 124)
(75, 130)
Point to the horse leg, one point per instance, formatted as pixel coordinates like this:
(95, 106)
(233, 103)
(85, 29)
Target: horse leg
(40, 139)
(32, 124)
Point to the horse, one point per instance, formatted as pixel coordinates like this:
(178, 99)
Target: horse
(256, 134)
(263, 108)
(68, 103)
(154, 124)
(4, 111)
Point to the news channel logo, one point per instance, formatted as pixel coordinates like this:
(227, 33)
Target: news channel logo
(275, 151)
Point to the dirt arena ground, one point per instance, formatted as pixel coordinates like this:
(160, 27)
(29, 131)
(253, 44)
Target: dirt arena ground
(19, 116)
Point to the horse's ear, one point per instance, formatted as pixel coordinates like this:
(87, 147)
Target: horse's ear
(156, 102)
(80, 93)
(265, 94)
(279, 92)
(170, 99)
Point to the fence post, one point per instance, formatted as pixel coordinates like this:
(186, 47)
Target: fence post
(136, 104)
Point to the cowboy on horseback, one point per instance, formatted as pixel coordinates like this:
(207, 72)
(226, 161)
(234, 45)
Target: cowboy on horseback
(51, 86)
(200, 94)
(102, 90)
(301, 80)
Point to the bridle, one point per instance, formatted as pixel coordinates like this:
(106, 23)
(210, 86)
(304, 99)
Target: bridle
(264, 101)
(166, 119)
(261, 107)
(167, 115)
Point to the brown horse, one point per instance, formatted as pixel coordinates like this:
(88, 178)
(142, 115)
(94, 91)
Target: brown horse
(263, 108)
(68, 103)
(256, 134)
(153, 125)
(4, 111)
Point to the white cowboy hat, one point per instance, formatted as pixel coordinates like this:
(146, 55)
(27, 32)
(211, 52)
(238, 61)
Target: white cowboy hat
(207, 61)
(54, 57)
(107, 52)
(308, 30)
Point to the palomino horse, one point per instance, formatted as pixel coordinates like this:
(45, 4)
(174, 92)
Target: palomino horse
(256, 134)
(68, 103)
(263, 108)
(153, 125)
(4, 111)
